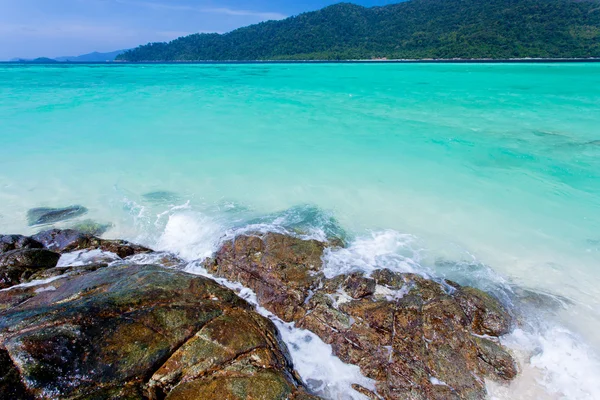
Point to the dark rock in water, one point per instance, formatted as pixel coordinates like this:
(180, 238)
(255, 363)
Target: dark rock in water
(68, 240)
(141, 332)
(404, 331)
(40, 216)
(16, 242)
(17, 266)
(90, 227)
(161, 197)
(304, 219)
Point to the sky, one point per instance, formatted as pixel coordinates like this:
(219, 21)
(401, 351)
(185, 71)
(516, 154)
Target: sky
(54, 28)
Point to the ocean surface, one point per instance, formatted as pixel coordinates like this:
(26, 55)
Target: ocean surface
(487, 174)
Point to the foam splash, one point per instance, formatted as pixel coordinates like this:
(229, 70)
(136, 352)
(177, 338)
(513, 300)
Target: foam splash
(379, 250)
(37, 282)
(190, 235)
(86, 257)
(555, 364)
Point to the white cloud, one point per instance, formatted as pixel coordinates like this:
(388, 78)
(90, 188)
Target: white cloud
(220, 10)
(67, 30)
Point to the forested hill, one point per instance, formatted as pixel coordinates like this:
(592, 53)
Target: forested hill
(414, 29)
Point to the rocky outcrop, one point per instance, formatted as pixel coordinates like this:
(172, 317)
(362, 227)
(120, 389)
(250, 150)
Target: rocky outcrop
(139, 332)
(25, 258)
(281, 269)
(17, 266)
(69, 240)
(17, 242)
(418, 338)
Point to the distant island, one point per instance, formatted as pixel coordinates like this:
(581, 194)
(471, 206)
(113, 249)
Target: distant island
(415, 29)
(39, 60)
(84, 58)
(93, 57)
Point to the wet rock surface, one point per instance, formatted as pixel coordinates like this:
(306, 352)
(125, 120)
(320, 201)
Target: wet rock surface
(139, 332)
(132, 330)
(17, 242)
(69, 240)
(281, 269)
(43, 215)
(17, 266)
(418, 338)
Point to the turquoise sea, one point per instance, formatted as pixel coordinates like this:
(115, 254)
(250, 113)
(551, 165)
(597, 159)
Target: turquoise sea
(488, 174)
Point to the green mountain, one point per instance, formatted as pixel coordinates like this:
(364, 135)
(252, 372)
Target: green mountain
(414, 29)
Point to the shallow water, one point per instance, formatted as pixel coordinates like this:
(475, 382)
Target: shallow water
(488, 174)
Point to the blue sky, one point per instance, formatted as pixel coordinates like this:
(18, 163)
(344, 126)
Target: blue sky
(52, 28)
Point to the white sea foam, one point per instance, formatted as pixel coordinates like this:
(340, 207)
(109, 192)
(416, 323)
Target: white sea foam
(554, 364)
(190, 235)
(46, 289)
(38, 282)
(383, 249)
(86, 257)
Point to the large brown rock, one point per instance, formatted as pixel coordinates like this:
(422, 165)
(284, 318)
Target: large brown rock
(418, 338)
(68, 240)
(281, 269)
(139, 332)
(17, 266)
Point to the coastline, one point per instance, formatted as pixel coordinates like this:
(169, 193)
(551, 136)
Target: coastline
(90, 292)
(396, 61)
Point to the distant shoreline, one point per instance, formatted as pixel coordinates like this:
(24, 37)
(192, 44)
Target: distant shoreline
(401, 61)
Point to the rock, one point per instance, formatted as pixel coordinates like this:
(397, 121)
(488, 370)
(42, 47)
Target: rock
(141, 332)
(90, 227)
(241, 341)
(161, 197)
(405, 331)
(17, 266)
(358, 286)
(11, 386)
(497, 358)
(163, 259)
(66, 271)
(39, 216)
(68, 240)
(281, 269)
(16, 242)
(487, 316)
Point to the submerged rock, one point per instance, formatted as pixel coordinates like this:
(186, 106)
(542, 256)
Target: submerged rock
(40, 216)
(419, 339)
(140, 332)
(16, 242)
(91, 227)
(161, 197)
(17, 266)
(69, 240)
